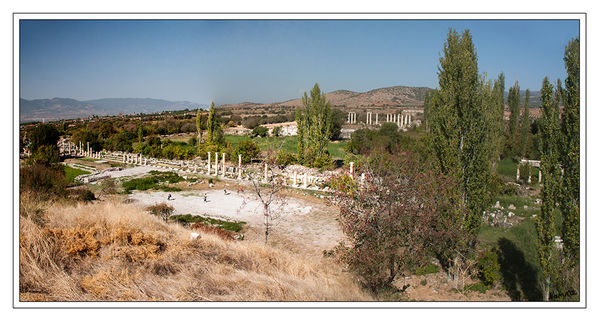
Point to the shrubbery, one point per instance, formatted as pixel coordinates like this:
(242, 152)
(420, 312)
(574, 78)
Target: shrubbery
(161, 210)
(488, 267)
(44, 181)
(247, 149)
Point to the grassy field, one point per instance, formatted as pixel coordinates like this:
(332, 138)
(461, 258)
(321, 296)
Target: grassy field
(286, 143)
(507, 168)
(71, 173)
(516, 246)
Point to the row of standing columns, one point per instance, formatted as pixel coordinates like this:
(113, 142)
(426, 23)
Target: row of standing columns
(529, 180)
(138, 159)
(403, 121)
(352, 118)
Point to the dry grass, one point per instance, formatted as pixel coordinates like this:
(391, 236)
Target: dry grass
(106, 251)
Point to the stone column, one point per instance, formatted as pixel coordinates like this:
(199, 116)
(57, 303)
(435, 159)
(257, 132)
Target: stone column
(376, 118)
(224, 170)
(517, 173)
(239, 167)
(348, 117)
(351, 169)
(409, 120)
(216, 164)
(124, 159)
(398, 119)
(294, 178)
(540, 175)
(305, 180)
(87, 150)
(208, 163)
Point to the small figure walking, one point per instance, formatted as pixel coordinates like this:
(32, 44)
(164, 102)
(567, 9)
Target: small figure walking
(226, 193)
(205, 198)
(169, 197)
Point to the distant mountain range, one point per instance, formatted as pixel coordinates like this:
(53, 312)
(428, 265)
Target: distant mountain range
(67, 108)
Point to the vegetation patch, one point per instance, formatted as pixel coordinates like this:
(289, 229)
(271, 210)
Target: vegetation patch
(70, 173)
(226, 225)
(427, 269)
(155, 180)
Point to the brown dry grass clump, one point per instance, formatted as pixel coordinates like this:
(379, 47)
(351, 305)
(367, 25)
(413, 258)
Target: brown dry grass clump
(115, 252)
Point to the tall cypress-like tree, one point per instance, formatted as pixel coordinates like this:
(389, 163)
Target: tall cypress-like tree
(570, 153)
(513, 100)
(200, 126)
(497, 104)
(211, 124)
(314, 120)
(525, 127)
(549, 150)
(461, 127)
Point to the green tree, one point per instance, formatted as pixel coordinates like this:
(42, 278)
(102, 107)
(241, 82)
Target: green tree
(461, 124)
(549, 150)
(570, 153)
(260, 131)
(247, 149)
(215, 132)
(200, 124)
(314, 120)
(513, 100)
(140, 134)
(497, 103)
(43, 135)
(525, 127)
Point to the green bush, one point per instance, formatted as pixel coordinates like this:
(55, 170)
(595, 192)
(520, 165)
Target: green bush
(260, 131)
(247, 149)
(427, 269)
(488, 267)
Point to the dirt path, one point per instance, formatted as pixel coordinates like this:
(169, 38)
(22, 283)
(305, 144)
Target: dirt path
(303, 226)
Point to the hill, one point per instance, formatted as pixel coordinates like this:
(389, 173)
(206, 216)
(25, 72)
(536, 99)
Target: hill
(109, 251)
(396, 96)
(67, 108)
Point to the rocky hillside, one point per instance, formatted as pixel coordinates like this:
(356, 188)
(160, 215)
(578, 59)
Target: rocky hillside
(390, 96)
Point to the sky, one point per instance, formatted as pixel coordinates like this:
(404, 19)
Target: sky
(232, 61)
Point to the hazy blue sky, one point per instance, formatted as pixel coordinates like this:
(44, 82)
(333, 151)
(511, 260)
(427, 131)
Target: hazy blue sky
(230, 61)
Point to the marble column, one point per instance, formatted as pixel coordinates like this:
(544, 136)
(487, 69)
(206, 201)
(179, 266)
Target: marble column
(208, 163)
(223, 165)
(239, 167)
(216, 164)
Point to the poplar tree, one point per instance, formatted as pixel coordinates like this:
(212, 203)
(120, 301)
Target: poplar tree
(461, 126)
(199, 125)
(497, 103)
(525, 129)
(314, 125)
(513, 100)
(211, 124)
(549, 151)
(570, 153)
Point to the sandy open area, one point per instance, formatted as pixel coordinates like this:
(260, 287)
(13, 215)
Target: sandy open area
(302, 226)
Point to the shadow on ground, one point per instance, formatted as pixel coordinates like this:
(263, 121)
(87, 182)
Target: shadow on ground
(519, 276)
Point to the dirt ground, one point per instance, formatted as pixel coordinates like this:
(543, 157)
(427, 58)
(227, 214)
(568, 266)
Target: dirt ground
(301, 226)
